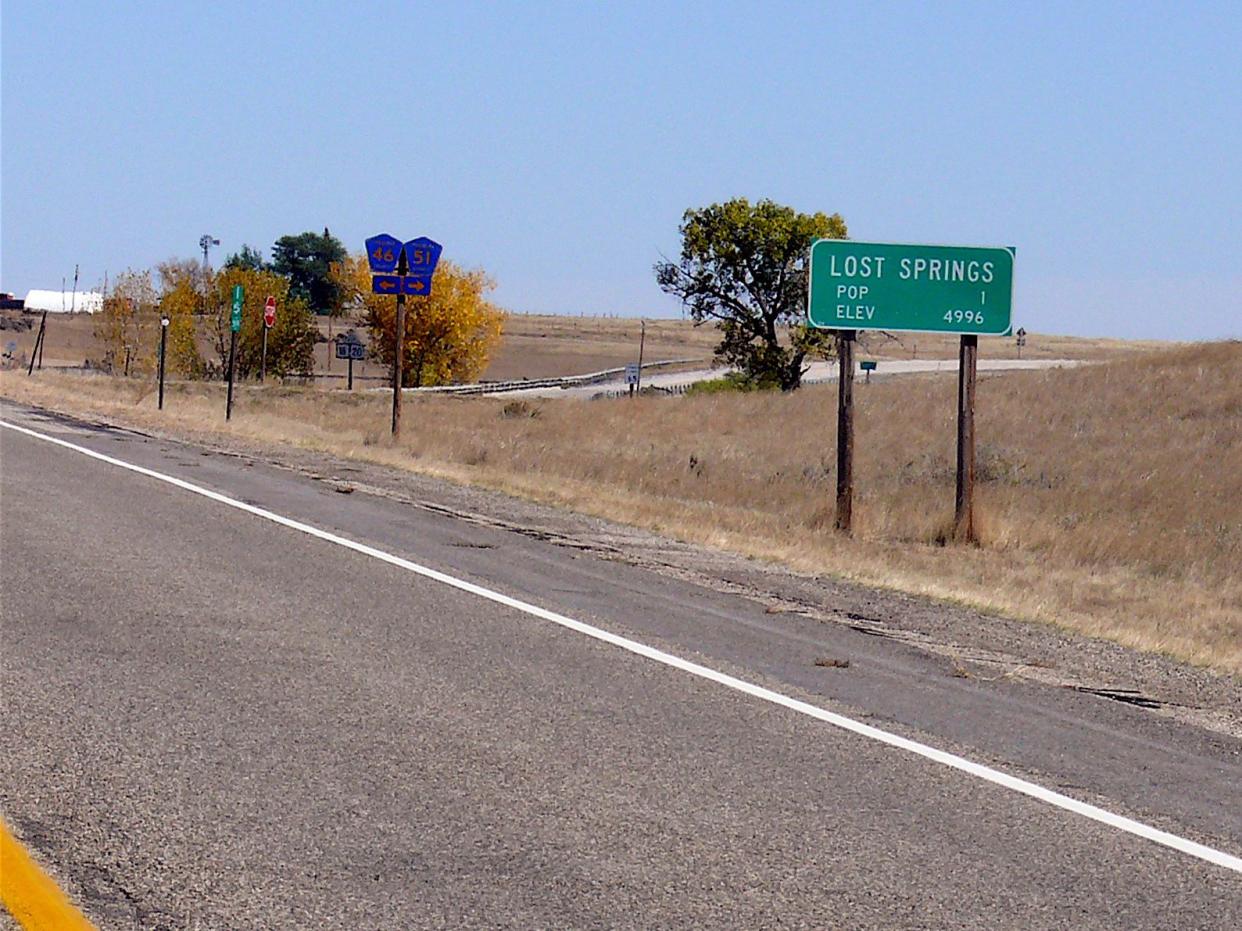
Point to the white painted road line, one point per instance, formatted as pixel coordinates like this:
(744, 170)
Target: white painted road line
(978, 770)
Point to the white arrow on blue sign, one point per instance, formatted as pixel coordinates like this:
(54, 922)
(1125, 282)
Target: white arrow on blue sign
(383, 252)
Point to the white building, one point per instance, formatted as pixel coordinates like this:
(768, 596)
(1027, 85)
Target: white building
(57, 302)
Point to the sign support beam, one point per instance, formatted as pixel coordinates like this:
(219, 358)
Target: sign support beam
(964, 517)
(164, 321)
(228, 404)
(845, 430)
(235, 320)
(398, 351)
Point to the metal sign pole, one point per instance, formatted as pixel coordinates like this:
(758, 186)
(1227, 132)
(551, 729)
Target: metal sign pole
(845, 430)
(164, 321)
(235, 318)
(964, 518)
(398, 350)
(263, 358)
(228, 405)
(350, 386)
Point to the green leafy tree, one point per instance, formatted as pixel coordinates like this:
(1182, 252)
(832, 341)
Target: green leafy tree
(248, 258)
(745, 266)
(181, 286)
(306, 260)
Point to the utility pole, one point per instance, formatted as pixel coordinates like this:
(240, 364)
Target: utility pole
(36, 351)
(73, 301)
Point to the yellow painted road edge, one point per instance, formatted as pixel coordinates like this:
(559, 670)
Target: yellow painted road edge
(30, 895)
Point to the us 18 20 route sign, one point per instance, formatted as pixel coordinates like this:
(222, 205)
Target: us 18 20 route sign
(927, 289)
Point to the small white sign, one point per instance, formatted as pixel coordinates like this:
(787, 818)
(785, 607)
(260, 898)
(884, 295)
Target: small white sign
(631, 374)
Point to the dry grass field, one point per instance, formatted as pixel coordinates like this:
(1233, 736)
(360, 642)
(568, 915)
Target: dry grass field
(545, 346)
(1110, 497)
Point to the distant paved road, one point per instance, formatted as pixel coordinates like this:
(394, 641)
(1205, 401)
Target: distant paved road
(816, 372)
(215, 721)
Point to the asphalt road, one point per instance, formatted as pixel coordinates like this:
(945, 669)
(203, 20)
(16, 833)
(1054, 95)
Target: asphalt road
(816, 372)
(215, 721)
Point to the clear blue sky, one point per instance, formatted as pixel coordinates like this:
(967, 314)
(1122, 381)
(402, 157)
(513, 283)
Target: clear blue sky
(556, 145)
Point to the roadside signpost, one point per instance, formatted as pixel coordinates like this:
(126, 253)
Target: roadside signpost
(164, 322)
(1021, 340)
(422, 255)
(901, 287)
(349, 346)
(239, 296)
(401, 269)
(269, 320)
(921, 289)
(633, 371)
(383, 252)
(868, 366)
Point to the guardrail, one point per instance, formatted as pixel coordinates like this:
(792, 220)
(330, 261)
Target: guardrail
(564, 381)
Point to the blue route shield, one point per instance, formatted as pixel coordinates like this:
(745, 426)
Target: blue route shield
(383, 252)
(421, 255)
(386, 284)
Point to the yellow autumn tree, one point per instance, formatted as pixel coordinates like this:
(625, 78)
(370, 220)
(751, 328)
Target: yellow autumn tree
(290, 342)
(449, 336)
(127, 326)
(182, 288)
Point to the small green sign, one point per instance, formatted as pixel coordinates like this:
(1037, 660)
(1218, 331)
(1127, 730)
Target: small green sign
(927, 289)
(239, 294)
(867, 365)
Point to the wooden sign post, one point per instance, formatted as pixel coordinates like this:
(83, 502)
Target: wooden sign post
(845, 430)
(964, 512)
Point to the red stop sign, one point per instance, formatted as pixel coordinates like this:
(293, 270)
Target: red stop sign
(269, 312)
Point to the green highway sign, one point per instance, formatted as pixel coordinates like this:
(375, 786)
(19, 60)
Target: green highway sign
(927, 289)
(867, 365)
(239, 294)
